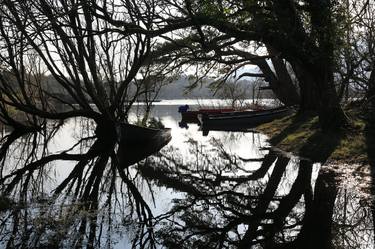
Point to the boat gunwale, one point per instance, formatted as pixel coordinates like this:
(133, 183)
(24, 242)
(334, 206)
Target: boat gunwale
(242, 115)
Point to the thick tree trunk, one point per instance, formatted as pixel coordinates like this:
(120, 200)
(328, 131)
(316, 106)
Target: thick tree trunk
(318, 94)
(284, 86)
(280, 83)
(371, 97)
(331, 115)
(309, 102)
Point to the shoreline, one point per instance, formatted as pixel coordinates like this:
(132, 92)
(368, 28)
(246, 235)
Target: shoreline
(303, 137)
(348, 153)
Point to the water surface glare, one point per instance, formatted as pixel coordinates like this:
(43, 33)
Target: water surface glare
(224, 190)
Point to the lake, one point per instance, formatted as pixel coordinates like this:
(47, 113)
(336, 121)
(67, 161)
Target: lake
(224, 190)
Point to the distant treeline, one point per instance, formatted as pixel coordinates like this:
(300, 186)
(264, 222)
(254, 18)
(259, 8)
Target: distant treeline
(180, 89)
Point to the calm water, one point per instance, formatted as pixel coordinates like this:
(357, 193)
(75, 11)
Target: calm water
(224, 190)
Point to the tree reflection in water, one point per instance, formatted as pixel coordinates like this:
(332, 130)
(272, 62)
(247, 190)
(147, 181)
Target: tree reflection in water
(270, 201)
(87, 207)
(283, 203)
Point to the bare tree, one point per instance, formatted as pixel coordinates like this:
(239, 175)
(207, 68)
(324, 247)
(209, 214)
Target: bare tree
(103, 71)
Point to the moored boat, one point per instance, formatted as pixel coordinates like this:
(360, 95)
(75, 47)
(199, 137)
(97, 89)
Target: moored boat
(241, 120)
(136, 142)
(192, 116)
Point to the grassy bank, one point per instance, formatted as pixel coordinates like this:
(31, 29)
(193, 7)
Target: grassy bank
(302, 136)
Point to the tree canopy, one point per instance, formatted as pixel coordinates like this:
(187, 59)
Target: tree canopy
(102, 55)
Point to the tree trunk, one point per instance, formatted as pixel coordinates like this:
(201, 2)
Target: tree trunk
(331, 115)
(371, 97)
(284, 85)
(318, 93)
(280, 83)
(309, 102)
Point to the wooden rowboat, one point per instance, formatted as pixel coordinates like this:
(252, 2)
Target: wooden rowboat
(136, 143)
(192, 116)
(241, 120)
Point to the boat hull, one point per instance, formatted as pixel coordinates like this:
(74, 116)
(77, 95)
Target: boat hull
(241, 121)
(192, 116)
(137, 143)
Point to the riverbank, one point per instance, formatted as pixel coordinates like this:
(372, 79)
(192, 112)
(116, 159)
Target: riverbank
(301, 135)
(348, 152)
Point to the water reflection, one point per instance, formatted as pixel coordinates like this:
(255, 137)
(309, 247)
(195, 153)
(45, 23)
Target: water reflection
(231, 203)
(352, 222)
(95, 196)
(227, 190)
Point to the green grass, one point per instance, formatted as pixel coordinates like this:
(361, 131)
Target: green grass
(302, 136)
